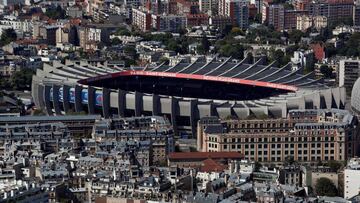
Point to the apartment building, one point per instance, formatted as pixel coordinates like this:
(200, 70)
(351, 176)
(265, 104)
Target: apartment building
(290, 17)
(168, 23)
(141, 19)
(237, 10)
(209, 7)
(356, 15)
(304, 22)
(308, 136)
(276, 16)
(334, 10)
(349, 72)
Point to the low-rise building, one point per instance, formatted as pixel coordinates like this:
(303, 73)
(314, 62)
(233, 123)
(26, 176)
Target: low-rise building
(352, 178)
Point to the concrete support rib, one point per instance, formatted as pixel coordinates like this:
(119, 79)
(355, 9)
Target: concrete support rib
(235, 66)
(106, 102)
(35, 91)
(242, 113)
(66, 98)
(197, 70)
(56, 98)
(259, 111)
(78, 98)
(91, 100)
(157, 67)
(138, 103)
(260, 71)
(224, 112)
(275, 72)
(155, 105)
(122, 102)
(173, 113)
(286, 76)
(41, 95)
(342, 96)
(193, 116)
(336, 96)
(46, 99)
(221, 65)
(186, 67)
(247, 69)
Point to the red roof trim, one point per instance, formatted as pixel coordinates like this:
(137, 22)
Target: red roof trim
(192, 76)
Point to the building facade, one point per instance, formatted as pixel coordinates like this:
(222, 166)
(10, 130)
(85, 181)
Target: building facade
(276, 16)
(307, 136)
(141, 19)
(349, 72)
(237, 10)
(304, 22)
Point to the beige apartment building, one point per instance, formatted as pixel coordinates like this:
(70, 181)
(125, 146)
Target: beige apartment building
(306, 135)
(305, 22)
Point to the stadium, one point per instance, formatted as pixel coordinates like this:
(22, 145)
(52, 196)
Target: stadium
(183, 93)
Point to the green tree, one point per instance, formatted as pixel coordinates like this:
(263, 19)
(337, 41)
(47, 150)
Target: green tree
(326, 71)
(325, 187)
(236, 31)
(130, 51)
(173, 45)
(334, 165)
(21, 80)
(116, 41)
(123, 31)
(205, 43)
(163, 60)
(289, 160)
(257, 166)
(296, 35)
(279, 56)
(55, 13)
(233, 50)
(8, 35)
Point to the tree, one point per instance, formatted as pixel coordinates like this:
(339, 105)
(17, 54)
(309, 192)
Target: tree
(257, 166)
(205, 44)
(279, 56)
(334, 165)
(116, 41)
(21, 80)
(233, 50)
(325, 187)
(173, 45)
(123, 31)
(130, 51)
(296, 35)
(326, 71)
(289, 160)
(236, 31)
(164, 60)
(55, 13)
(8, 35)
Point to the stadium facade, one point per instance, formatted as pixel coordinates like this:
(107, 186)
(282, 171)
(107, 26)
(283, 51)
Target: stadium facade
(183, 93)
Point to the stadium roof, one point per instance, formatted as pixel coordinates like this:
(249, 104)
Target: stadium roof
(228, 72)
